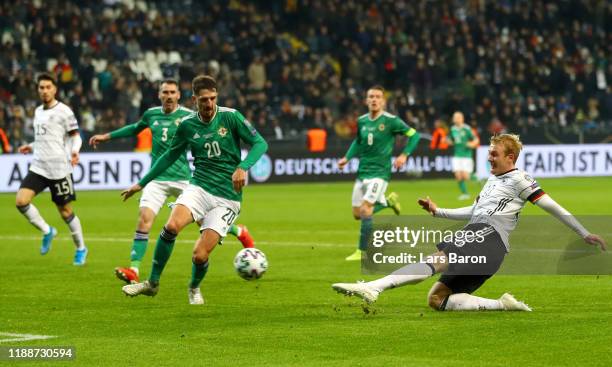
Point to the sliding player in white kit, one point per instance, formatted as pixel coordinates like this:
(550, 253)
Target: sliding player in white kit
(56, 149)
(495, 214)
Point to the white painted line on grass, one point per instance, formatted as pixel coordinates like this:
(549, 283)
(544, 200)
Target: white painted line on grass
(127, 240)
(22, 337)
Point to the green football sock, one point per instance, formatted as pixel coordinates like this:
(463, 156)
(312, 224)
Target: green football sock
(198, 272)
(378, 207)
(463, 187)
(233, 230)
(366, 228)
(139, 247)
(163, 250)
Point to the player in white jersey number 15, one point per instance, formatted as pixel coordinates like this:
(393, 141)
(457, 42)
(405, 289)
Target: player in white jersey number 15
(56, 149)
(494, 213)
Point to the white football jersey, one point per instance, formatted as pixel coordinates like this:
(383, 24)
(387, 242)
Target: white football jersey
(51, 153)
(501, 200)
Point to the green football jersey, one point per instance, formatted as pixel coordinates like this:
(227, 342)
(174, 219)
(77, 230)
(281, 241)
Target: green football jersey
(461, 136)
(374, 144)
(215, 147)
(163, 127)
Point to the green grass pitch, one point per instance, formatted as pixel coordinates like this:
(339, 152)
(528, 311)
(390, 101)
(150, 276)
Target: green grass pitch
(291, 316)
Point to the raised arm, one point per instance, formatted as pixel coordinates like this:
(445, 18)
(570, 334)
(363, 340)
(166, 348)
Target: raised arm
(123, 132)
(429, 206)
(464, 213)
(177, 148)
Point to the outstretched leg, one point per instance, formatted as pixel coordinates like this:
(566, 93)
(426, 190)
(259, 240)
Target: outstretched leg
(179, 218)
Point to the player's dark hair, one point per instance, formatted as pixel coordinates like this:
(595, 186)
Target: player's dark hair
(169, 81)
(203, 82)
(378, 87)
(46, 76)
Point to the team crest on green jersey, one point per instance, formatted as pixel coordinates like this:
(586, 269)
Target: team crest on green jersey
(381, 127)
(177, 121)
(222, 131)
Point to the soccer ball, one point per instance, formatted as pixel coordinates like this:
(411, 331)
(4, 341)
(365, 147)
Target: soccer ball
(250, 263)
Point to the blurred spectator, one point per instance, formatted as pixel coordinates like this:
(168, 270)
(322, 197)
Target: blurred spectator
(6, 146)
(438, 137)
(300, 64)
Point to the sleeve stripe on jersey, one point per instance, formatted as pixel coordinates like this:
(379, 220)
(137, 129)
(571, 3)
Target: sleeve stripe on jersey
(536, 195)
(410, 132)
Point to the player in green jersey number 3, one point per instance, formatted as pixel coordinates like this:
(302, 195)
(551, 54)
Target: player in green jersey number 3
(213, 196)
(376, 132)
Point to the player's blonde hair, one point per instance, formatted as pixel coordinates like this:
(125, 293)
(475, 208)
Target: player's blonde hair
(511, 143)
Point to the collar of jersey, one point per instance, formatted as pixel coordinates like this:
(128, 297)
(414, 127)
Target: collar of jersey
(178, 106)
(501, 174)
(52, 107)
(379, 116)
(212, 119)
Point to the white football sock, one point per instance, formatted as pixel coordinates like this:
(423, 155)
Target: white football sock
(467, 302)
(33, 215)
(409, 274)
(77, 232)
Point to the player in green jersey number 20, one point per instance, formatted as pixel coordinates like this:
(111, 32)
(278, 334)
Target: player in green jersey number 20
(213, 196)
(163, 122)
(376, 132)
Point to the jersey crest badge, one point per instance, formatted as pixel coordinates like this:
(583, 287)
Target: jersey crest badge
(222, 131)
(177, 122)
(381, 127)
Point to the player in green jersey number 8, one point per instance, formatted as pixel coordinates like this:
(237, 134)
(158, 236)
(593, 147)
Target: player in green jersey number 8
(376, 133)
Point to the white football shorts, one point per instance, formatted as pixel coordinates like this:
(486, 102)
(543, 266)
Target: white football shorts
(209, 211)
(155, 194)
(371, 190)
(463, 164)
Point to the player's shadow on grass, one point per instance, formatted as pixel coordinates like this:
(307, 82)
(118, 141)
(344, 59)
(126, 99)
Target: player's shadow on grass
(578, 259)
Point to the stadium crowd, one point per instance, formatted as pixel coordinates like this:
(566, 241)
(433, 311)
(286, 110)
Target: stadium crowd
(290, 65)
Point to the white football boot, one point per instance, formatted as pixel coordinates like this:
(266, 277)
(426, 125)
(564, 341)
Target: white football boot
(195, 296)
(511, 304)
(145, 288)
(358, 289)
